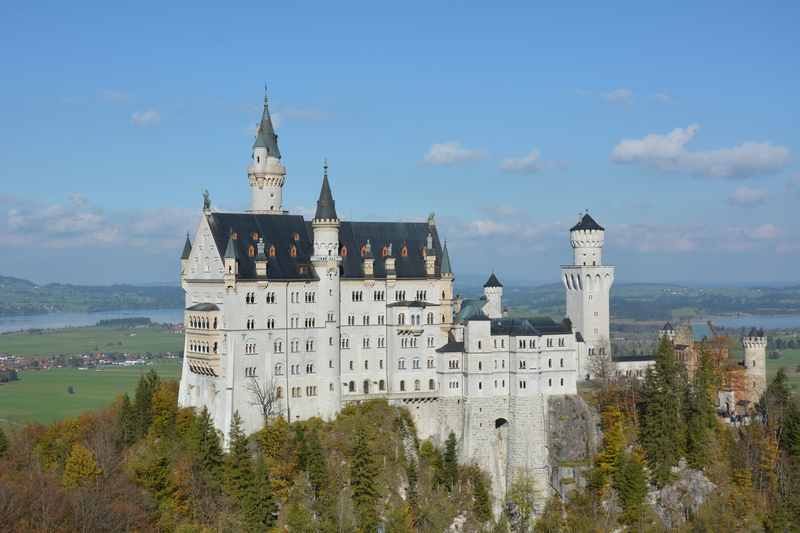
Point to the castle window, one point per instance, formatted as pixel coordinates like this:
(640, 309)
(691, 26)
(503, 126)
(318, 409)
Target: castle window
(278, 346)
(430, 318)
(401, 364)
(279, 369)
(415, 364)
(380, 364)
(366, 386)
(562, 382)
(401, 319)
(251, 251)
(270, 323)
(351, 387)
(309, 368)
(254, 235)
(480, 385)
(343, 251)
(404, 251)
(272, 250)
(549, 382)
(293, 251)
(549, 363)
(279, 393)
(384, 251)
(431, 384)
(417, 385)
(350, 365)
(295, 236)
(381, 385)
(366, 365)
(479, 345)
(562, 363)
(480, 365)
(402, 385)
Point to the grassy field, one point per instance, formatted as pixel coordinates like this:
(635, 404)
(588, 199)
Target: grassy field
(790, 359)
(69, 341)
(41, 396)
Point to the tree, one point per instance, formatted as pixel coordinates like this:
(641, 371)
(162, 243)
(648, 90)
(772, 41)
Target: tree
(522, 496)
(126, 421)
(450, 462)
(701, 413)
(3, 443)
(259, 504)
(164, 407)
(613, 443)
(630, 482)
(207, 448)
(315, 464)
(363, 474)
(143, 401)
(81, 467)
(238, 466)
(481, 500)
(662, 431)
(265, 397)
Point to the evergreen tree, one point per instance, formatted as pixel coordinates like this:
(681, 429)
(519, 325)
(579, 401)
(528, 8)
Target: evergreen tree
(450, 462)
(207, 447)
(143, 401)
(662, 431)
(3, 443)
(238, 466)
(363, 474)
(81, 467)
(315, 464)
(399, 519)
(613, 443)
(259, 504)
(126, 421)
(630, 482)
(700, 413)
(481, 501)
(164, 408)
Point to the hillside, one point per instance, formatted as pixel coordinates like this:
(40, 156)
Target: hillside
(23, 297)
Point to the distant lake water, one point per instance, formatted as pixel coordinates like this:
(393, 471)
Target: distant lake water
(766, 322)
(63, 320)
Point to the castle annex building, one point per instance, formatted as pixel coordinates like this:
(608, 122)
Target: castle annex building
(319, 313)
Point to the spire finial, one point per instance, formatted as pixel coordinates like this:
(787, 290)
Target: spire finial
(325, 166)
(266, 98)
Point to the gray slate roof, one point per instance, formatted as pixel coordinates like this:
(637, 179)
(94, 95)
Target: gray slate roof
(187, 248)
(538, 326)
(203, 307)
(266, 136)
(326, 207)
(446, 268)
(279, 231)
(587, 223)
(492, 281)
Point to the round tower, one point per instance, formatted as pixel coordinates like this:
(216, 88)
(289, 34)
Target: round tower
(493, 293)
(755, 363)
(667, 332)
(588, 286)
(266, 174)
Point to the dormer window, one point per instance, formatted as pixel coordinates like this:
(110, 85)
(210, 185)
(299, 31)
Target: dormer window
(343, 253)
(363, 250)
(272, 250)
(251, 251)
(293, 251)
(384, 251)
(404, 251)
(254, 235)
(295, 236)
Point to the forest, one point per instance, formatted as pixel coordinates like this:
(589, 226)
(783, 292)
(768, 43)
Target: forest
(144, 464)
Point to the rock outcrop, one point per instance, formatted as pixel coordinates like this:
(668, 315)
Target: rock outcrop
(573, 438)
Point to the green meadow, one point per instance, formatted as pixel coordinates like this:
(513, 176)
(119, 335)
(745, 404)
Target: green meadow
(790, 360)
(42, 395)
(69, 341)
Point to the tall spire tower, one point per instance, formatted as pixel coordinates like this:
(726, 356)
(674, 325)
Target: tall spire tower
(588, 285)
(266, 173)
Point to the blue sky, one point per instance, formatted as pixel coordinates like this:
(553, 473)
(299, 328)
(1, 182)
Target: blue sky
(675, 125)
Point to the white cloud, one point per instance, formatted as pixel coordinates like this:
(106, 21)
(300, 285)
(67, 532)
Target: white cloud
(668, 153)
(619, 96)
(528, 164)
(451, 153)
(663, 97)
(745, 196)
(112, 96)
(146, 118)
(765, 232)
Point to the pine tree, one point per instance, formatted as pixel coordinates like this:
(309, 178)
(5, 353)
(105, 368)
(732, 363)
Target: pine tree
(613, 443)
(3, 443)
(259, 504)
(143, 401)
(662, 431)
(630, 482)
(481, 501)
(81, 467)
(315, 464)
(238, 466)
(363, 474)
(126, 421)
(399, 519)
(164, 407)
(207, 448)
(450, 462)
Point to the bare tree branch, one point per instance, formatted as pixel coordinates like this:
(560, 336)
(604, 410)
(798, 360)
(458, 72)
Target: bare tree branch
(265, 398)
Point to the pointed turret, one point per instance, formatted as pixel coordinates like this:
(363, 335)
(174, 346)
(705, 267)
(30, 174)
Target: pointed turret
(230, 260)
(492, 282)
(187, 248)
(230, 250)
(446, 268)
(493, 293)
(326, 207)
(265, 135)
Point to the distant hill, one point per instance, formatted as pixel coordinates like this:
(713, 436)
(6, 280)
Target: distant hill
(654, 301)
(24, 297)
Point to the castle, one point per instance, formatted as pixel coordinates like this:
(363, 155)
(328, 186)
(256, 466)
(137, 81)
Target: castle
(298, 318)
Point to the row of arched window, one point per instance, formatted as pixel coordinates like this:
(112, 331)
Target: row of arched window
(416, 363)
(202, 347)
(202, 322)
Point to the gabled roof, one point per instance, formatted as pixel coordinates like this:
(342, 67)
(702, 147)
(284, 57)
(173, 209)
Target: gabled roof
(326, 207)
(530, 327)
(446, 268)
(187, 248)
(667, 327)
(265, 136)
(230, 249)
(203, 307)
(587, 223)
(492, 282)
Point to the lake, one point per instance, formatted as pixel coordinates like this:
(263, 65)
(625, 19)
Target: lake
(757, 321)
(63, 320)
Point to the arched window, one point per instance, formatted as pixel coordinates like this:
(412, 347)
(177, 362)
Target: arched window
(402, 385)
(384, 251)
(404, 251)
(279, 393)
(417, 385)
(366, 386)
(343, 251)
(431, 384)
(272, 250)
(382, 385)
(251, 251)
(293, 251)
(254, 235)
(295, 236)
(351, 387)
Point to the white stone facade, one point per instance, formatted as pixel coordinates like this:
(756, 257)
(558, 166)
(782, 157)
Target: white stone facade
(328, 312)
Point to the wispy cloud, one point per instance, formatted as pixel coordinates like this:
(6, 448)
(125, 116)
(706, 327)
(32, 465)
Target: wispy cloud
(668, 153)
(451, 153)
(619, 96)
(527, 164)
(150, 117)
(746, 197)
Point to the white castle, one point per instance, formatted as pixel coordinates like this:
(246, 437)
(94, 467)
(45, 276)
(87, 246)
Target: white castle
(317, 314)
